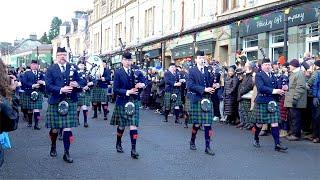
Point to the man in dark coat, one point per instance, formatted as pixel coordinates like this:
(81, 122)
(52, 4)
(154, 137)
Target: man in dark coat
(199, 92)
(62, 82)
(266, 110)
(128, 83)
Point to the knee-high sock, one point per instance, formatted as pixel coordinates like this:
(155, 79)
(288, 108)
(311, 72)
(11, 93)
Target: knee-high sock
(133, 137)
(25, 113)
(66, 140)
(176, 112)
(256, 132)
(30, 117)
(105, 110)
(207, 135)
(194, 133)
(99, 106)
(166, 113)
(36, 116)
(53, 137)
(95, 109)
(119, 134)
(275, 135)
(85, 116)
(78, 115)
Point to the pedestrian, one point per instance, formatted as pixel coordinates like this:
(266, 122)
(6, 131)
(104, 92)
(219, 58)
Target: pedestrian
(199, 94)
(128, 83)
(62, 82)
(266, 110)
(316, 104)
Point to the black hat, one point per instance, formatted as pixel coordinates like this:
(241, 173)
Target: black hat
(295, 63)
(317, 63)
(61, 49)
(34, 62)
(265, 60)
(172, 64)
(126, 55)
(286, 64)
(305, 65)
(234, 67)
(200, 53)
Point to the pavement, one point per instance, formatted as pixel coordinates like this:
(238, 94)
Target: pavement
(164, 154)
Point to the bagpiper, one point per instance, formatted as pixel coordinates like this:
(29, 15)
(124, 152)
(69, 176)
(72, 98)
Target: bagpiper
(266, 109)
(99, 91)
(84, 96)
(127, 86)
(62, 81)
(172, 96)
(33, 84)
(199, 94)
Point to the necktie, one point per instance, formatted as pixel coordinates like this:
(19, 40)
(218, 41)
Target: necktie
(63, 68)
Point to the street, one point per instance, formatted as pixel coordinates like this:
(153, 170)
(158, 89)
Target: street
(164, 154)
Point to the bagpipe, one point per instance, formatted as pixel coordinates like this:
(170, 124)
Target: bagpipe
(130, 106)
(35, 94)
(179, 79)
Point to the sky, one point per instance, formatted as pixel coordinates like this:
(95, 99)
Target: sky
(20, 18)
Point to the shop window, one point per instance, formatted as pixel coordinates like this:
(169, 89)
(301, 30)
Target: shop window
(250, 47)
(312, 39)
(276, 44)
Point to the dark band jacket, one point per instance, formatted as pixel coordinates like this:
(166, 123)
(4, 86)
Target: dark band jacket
(31, 79)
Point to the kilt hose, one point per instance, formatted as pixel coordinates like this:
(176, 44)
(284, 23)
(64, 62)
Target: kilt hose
(186, 106)
(24, 100)
(261, 115)
(84, 98)
(57, 121)
(37, 104)
(168, 103)
(198, 116)
(244, 110)
(283, 110)
(99, 94)
(119, 116)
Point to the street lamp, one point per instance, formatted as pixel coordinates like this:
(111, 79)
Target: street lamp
(285, 28)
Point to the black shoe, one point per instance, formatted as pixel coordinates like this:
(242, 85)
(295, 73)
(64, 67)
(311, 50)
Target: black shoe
(29, 125)
(256, 144)
(119, 148)
(67, 158)
(134, 154)
(85, 125)
(209, 151)
(177, 121)
(281, 148)
(36, 128)
(105, 118)
(53, 152)
(60, 137)
(193, 146)
(165, 120)
(94, 116)
(185, 125)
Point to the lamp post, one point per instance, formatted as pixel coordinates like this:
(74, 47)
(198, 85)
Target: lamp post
(285, 29)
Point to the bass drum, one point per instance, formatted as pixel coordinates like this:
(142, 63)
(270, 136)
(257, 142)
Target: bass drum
(95, 66)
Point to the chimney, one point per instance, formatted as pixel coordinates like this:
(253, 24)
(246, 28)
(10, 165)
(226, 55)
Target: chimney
(33, 37)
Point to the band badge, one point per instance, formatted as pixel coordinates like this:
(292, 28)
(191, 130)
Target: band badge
(206, 105)
(129, 108)
(63, 108)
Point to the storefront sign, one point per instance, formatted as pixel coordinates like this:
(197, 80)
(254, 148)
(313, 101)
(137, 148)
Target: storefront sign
(299, 15)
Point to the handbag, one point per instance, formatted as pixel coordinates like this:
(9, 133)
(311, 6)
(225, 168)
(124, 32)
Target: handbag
(5, 140)
(9, 116)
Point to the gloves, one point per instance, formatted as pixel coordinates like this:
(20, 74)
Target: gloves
(294, 102)
(315, 102)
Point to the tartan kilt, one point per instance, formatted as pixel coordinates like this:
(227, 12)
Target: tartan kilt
(197, 116)
(261, 115)
(186, 107)
(35, 104)
(84, 98)
(244, 110)
(24, 100)
(168, 104)
(119, 116)
(99, 94)
(283, 110)
(56, 121)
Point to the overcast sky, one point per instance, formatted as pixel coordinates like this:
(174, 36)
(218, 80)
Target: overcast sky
(19, 18)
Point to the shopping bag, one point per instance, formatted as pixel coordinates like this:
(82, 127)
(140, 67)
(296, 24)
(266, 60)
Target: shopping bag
(5, 141)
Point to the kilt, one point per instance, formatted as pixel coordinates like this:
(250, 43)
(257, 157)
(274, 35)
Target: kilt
(119, 116)
(56, 121)
(84, 98)
(283, 110)
(261, 114)
(197, 116)
(186, 107)
(168, 104)
(24, 100)
(244, 110)
(35, 104)
(99, 94)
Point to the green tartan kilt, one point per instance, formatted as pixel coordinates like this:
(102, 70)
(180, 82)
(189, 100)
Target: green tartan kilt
(99, 94)
(186, 106)
(197, 116)
(35, 104)
(119, 116)
(168, 104)
(24, 100)
(84, 98)
(56, 121)
(244, 108)
(261, 115)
